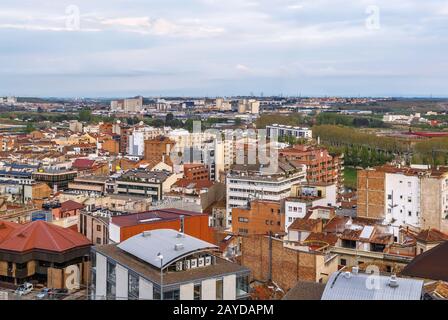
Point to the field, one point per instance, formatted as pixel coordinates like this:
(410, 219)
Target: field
(350, 176)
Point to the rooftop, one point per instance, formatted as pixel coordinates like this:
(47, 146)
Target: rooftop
(352, 286)
(171, 244)
(152, 216)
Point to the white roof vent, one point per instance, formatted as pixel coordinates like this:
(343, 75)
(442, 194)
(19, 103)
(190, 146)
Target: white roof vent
(347, 274)
(146, 234)
(355, 270)
(393, 281)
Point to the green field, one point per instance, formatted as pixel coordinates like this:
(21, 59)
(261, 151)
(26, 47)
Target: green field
(350, 176)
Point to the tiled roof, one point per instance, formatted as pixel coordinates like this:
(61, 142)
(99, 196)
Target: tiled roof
(83, 163)
(41, 235)
(431, 235)
(70, 205)
(432, 264)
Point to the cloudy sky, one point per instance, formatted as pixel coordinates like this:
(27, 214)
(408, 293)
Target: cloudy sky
(111, 48)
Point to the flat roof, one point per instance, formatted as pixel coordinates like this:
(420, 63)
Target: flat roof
(145, 217)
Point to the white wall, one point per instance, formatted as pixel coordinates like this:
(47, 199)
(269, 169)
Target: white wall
(404, 207)
(121, 282)
(101, 276)
(294, 210)
(229, 283)
(145, 289)
(187, 291)
(208, 289)
(114, 233)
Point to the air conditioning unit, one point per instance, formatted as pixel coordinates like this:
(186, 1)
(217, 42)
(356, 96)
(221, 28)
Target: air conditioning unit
(179, 266)
(208, 261)
(201, 262)
(187, 265)
(193, 263)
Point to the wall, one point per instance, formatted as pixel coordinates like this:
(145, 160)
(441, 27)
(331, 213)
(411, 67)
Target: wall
(371, 196)
(288, 265)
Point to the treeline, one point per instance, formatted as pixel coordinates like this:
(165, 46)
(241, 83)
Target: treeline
(364, 157)
(432, 151)
(349, 121)
(338, 136)
(295, 119)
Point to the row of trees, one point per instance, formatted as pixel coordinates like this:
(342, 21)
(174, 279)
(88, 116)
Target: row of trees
(365, 157)
(338, 136)
(349, 121)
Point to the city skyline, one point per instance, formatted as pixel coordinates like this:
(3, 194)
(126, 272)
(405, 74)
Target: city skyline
(216, 48)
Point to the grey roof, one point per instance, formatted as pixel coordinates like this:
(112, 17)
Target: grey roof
(147, 245)
(359, 287)
(305, 291)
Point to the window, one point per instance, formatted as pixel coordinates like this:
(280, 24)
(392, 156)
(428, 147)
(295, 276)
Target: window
(409, 213)
(219, 289)
(197, 292)
(409, 184)
(389, 197)
(98, 228)
(343, 262)
(409, 199)
(133, 284)
(98, 240)
(110, 271)
(172, 295)
(242, 286)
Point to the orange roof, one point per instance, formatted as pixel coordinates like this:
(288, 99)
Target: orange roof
(432, 235)
(41, 235)
(6, 228)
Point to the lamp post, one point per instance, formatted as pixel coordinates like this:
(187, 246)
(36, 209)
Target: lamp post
(160, 257)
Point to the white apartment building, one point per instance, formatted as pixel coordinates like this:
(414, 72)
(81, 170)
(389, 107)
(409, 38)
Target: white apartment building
(283, 131)
(402, 200)
(307, 196)
(243, 187)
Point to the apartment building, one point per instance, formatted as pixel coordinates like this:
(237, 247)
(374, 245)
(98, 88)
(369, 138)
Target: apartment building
(137, 138)
(321, 166)
(405, 196)
(144, 183)
(282, 131)
(260, 217)
(158, 149)
(247, 182)
(306, 196)
(133, 270)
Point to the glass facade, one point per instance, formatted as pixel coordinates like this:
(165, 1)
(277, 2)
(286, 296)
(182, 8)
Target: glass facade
(133, 286)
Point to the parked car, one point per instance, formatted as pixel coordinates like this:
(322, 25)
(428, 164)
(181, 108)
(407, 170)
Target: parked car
(44, 293)
(24, 289)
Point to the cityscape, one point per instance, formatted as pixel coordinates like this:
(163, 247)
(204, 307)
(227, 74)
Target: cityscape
(190, 187)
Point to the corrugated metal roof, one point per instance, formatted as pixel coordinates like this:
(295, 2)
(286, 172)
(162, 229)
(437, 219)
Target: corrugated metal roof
(147, 245)
(361, 286)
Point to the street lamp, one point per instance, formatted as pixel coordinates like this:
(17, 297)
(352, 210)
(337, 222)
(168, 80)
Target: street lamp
(160, 256)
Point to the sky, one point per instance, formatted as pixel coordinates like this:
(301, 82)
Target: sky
(120, 48)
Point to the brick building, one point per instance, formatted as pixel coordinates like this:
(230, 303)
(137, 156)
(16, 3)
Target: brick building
(321, 166)
(158, 149)
(261, 217)
(371, 190)
(194, 224)
(270, 260)
(196, 171)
